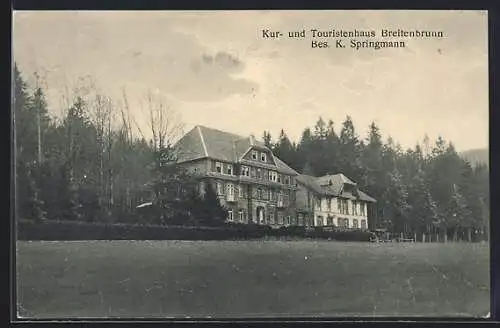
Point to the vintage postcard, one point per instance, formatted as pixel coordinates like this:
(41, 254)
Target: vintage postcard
(251, 164)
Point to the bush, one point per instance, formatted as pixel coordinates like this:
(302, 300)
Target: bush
(72, 230)
(78, 230)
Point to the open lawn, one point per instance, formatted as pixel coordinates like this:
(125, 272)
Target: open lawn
(250, 279)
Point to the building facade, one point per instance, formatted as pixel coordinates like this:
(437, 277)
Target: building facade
(256, 186)
(332, 201)
(251, 183)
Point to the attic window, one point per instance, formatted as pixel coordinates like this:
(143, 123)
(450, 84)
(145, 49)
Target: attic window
(218, 167)
(263, 157)
(254, 155)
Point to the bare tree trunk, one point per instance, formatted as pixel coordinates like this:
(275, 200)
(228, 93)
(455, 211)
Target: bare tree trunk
(39, 135)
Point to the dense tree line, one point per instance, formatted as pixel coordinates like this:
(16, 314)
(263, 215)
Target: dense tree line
(82, 165)
(85, 166)
(427, 190)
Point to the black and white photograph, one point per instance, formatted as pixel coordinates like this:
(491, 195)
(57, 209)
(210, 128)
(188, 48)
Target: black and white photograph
(251, 164)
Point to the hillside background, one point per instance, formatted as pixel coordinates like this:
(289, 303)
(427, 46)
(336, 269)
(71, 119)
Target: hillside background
(476, 156)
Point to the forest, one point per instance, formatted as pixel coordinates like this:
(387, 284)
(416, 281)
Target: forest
(93, 163)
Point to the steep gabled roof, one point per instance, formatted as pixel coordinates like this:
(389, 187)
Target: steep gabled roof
(333, 185)
(204, 142)
(310, 182)
(366, 197)
(191, 146)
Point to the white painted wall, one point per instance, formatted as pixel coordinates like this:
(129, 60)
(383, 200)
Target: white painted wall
(322, 210)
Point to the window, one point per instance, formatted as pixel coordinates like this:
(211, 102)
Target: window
(288, 220)
(240, 191)
(363, 224)
(263, 157)
(343, 223)
(268, 218)
(329, 204)
(229, 169)
(362, 208)
(218, 167)
(279, 178)
(254, 155)
(343, 208)
(260, 194)
(319, 221)
(240, 216)
(230, 192)
(273, 219)
(354, 207)
(273, 176)
(220, 189)
(245, 171)
(280, 198)
(329, 221)
(269, 194)
(259, 174)
(287, 180)
(280, 218)
(300, 219)
(230, 215)
(355, 224)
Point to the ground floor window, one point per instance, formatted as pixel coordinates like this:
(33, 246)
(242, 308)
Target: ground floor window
(268, 218)
(241, 216)
(343, 223)
(319, 221)
(300, 219)
(329, 221)
(230, 215)
(363, 224)
(280, 218)
(272, 219)
(355, 224)
(288, 220)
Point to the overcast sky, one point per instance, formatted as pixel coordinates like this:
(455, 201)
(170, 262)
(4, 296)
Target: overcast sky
(215, 69)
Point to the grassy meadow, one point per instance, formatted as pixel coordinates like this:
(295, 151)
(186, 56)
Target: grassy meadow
(164, 279)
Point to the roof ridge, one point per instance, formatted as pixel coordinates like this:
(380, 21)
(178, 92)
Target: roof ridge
(202, 140)
(221, 131)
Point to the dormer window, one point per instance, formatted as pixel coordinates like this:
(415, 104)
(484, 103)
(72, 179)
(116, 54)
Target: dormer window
(254, 155)
(229, 169)
(263, 157)
(218, 167)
